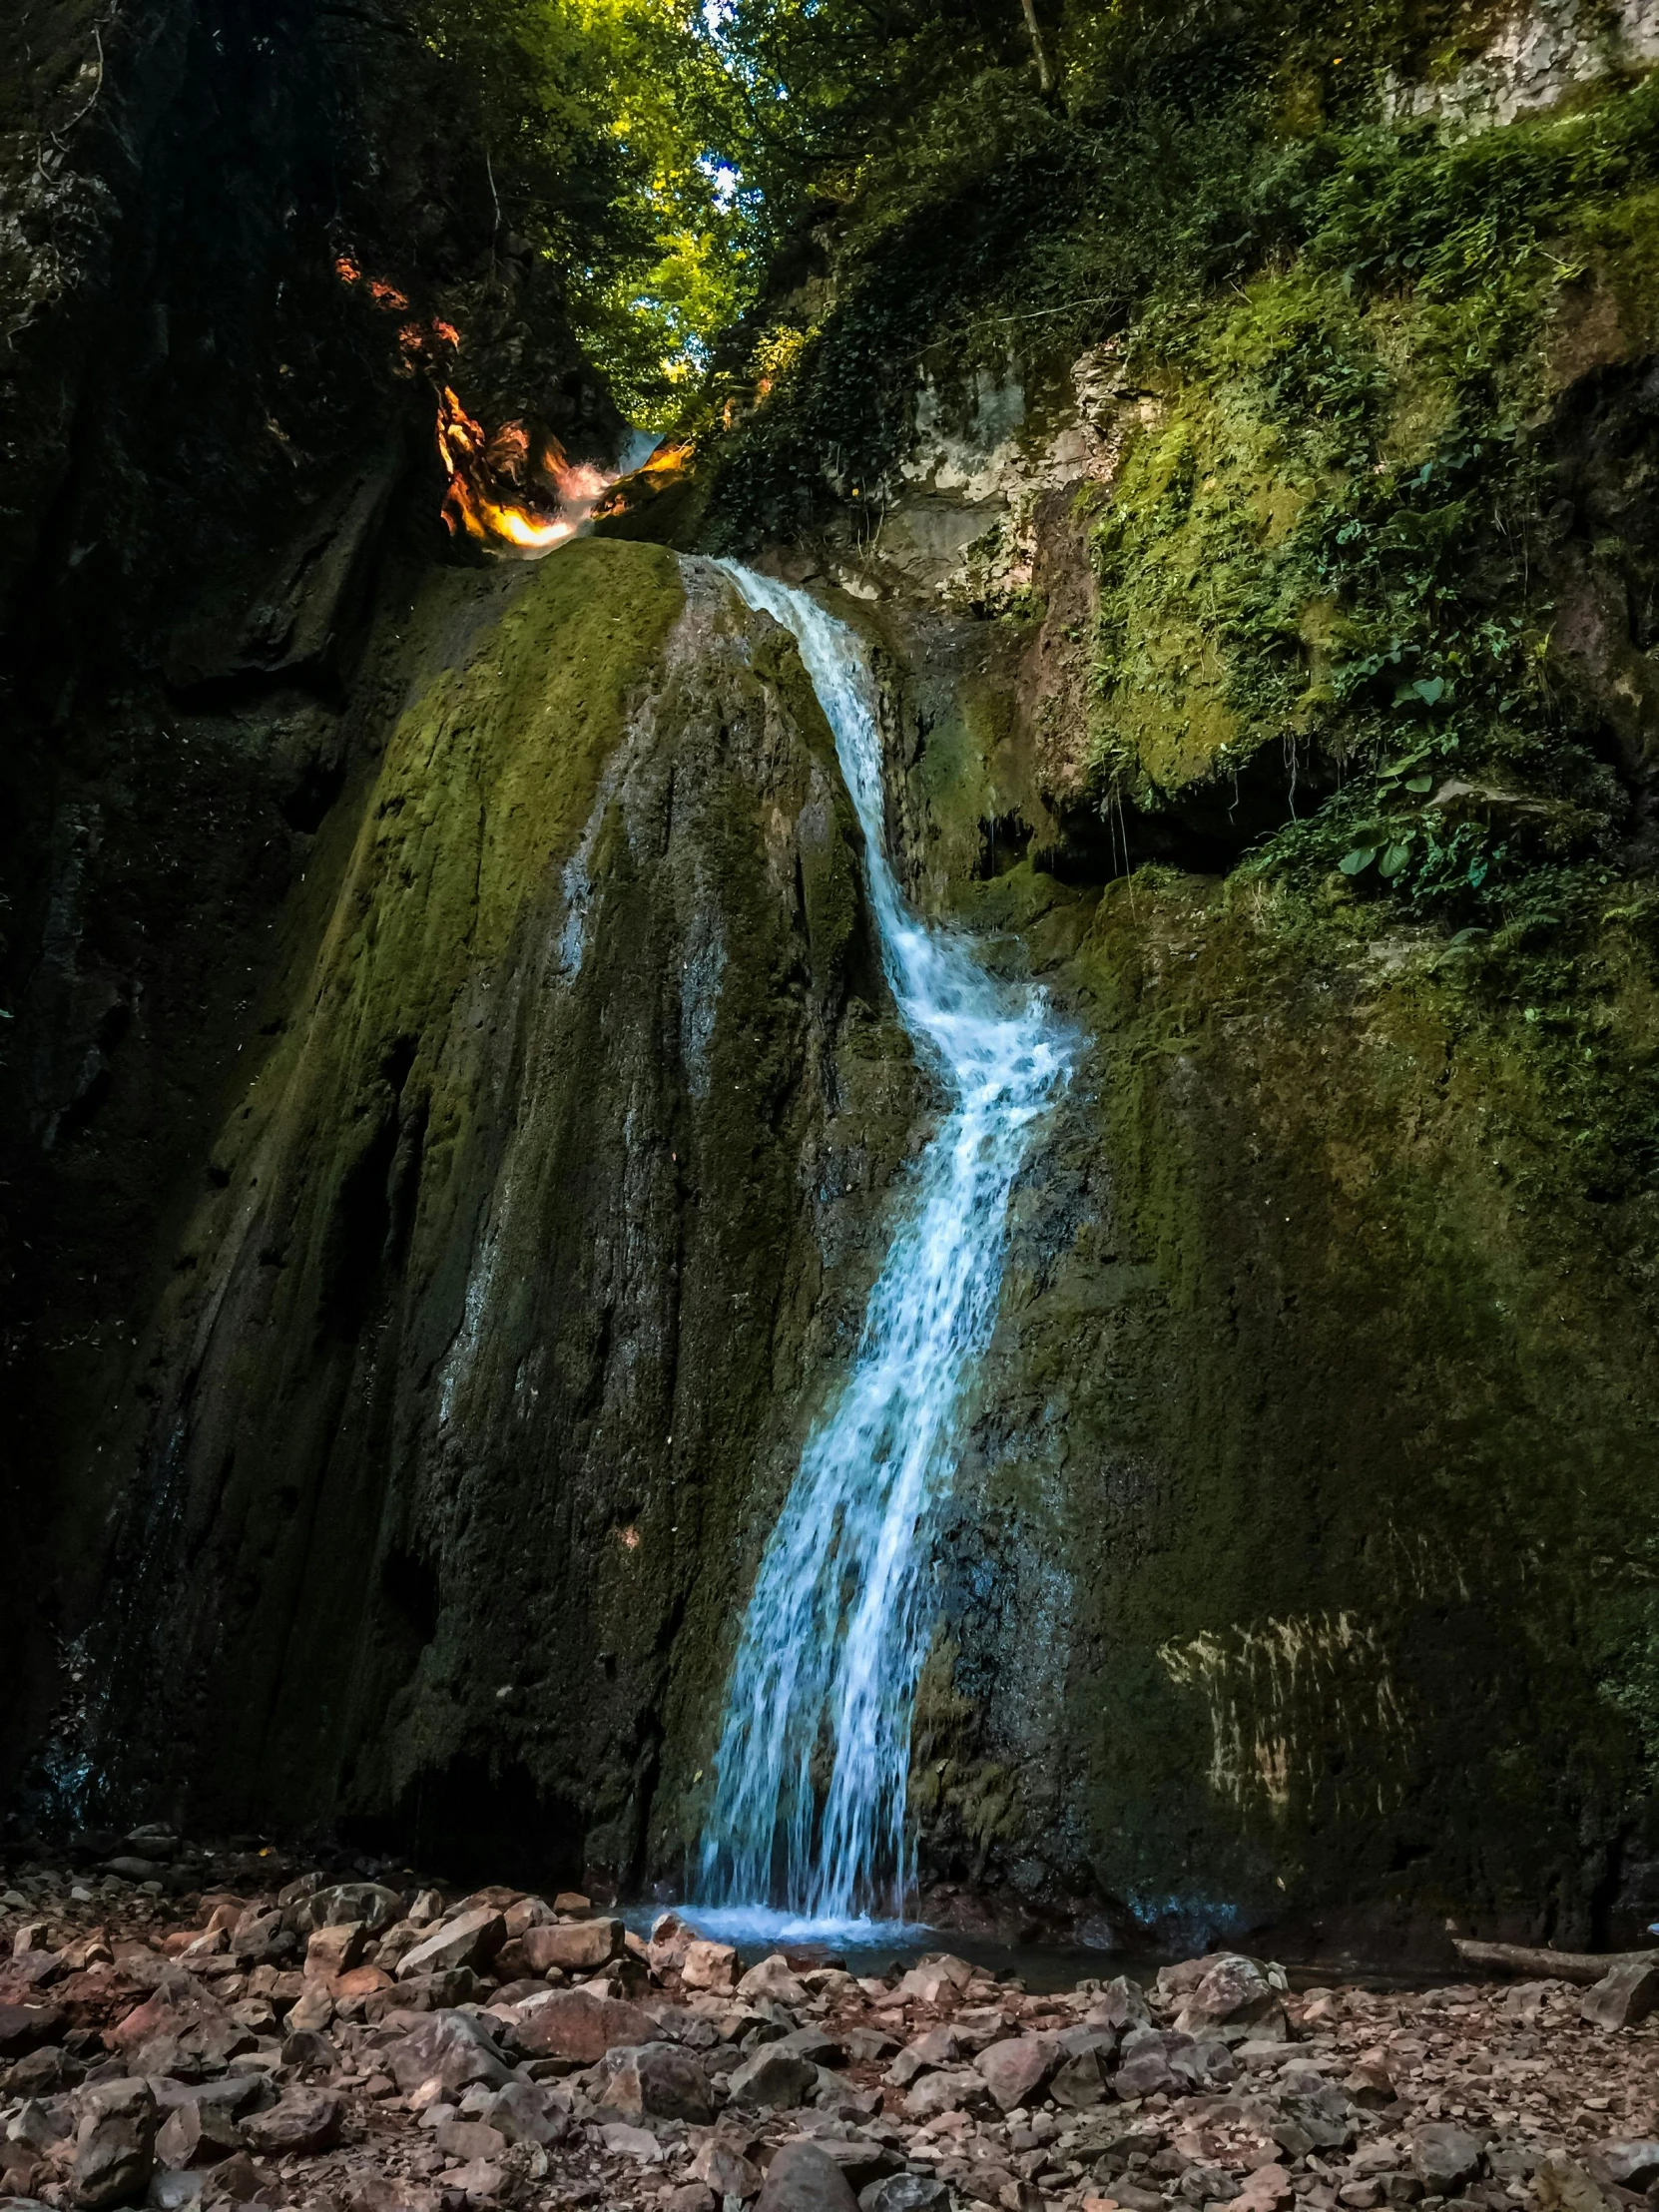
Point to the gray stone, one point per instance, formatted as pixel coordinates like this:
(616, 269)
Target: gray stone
(449, 2047)
(905, 2194)
(803, 2177)
(659, 2081)
(774, 2076)
(571, 1946)
(1080, 2085)
(1444, 2157)
(578, 2023)
(369, 1901)
(1622, 1997)
(461, 2141)
(1017, 2069)
(1632, 2165)
(198, 2134)
(812, 2043)
(1232, 1990)
(725, 2169)
(1121, 2004)
(1133, 2197)
(302, 2120)
(954, 2089)
(938, 2048)
(633, 2142)
(469, 1939)
(525, 2113)
(1144, 2075)
(115, 2145)
(692, 2197)
(867, 2045)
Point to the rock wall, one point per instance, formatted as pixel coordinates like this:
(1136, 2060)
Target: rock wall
(522, 1250)
(216, 471)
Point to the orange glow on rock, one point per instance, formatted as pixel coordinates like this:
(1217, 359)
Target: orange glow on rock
(510, 493)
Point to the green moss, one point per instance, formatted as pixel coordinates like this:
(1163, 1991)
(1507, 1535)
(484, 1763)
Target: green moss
(1353, 1495)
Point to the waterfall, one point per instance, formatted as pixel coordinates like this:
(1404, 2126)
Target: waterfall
(813, 1760)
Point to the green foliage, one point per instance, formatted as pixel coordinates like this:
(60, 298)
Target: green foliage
(587, 128)
(1387, 388)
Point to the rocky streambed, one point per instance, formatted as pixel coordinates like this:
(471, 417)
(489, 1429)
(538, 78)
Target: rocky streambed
(354, 2047)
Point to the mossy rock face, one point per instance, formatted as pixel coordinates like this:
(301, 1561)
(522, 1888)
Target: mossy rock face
(497, 1328)
(1301, 1563)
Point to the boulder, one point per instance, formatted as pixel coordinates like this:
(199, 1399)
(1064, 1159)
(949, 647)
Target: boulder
(955, 2089)
(860, 2158)
(803, 2177)
(1622, 1997)
(312, 2010)
(633, 2142)
(814, 2044)
(723, 2167)
(307, 2047)
(526, 1912)
(691, 2196)
(468, 1939)
(775, 2076)
(1632, 2165)
(1561, 2185)
(655, 2081)
(25, 2027)
(450, 2048)
(580, 2024)
(236, 2182)
(1145, 2068)
(905, 2194)
(115, 2145)
(671, 1939)
(359, 1983)
(40, 2073)
(938, 2048)
(181, 2028)
(1017, 2069)
(1268, 2189)
(424, 1992)
(936, 1976)
(335, 1948)
(1080, 2083)
(260, 1937)
(480, 2181)
(1444, 2157)
(774, 1978)
(302, 2120)
(461, 2141)
(370, 1903)
(1232, 1990)
(525, 2113)
(570, 1947)
(29, 1969)
(709, 1965)
(868, 2046)
(198, 2134)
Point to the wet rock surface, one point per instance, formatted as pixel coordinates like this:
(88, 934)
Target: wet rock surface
(178, 2075)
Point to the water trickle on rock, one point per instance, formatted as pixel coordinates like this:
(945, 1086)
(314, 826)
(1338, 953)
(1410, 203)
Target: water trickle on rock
(815, 1751)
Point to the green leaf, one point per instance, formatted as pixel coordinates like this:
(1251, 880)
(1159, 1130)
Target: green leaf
(1394, 860)
(1430, 688)
(1421, 783)
(1355, 862)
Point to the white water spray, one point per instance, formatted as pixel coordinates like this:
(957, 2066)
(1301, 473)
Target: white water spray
(814, 1749)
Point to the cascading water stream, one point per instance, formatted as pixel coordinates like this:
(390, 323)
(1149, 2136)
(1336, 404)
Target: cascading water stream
(813, 1759)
